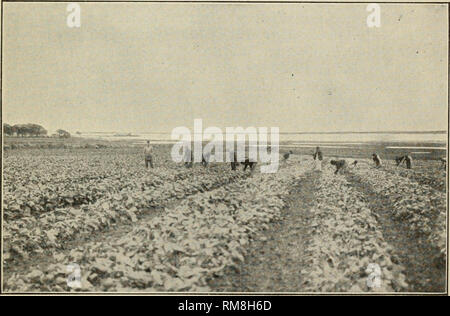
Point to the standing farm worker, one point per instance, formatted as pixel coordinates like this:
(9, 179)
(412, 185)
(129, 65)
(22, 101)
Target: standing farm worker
(233, 158)
(205, 159)
(377, 160)
(318, 159)
(148, 149)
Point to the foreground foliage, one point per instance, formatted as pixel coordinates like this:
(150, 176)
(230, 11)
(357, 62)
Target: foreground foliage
(419, 205)
(178, 251)
(57, 202)
(347, 247)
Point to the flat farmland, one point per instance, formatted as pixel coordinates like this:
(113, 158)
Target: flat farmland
(97, 216)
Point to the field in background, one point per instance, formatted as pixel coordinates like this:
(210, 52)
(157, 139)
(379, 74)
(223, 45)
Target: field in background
(10, 142)
(386, 150)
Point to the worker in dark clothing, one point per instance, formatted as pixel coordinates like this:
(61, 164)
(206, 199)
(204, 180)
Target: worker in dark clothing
(407, 159)
(233, 159)
(339, 164)
(399, 160)
(286, 155)
(188, 158)
(248, 163)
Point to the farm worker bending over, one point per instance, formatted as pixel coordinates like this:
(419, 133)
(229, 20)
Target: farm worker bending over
(404, 159)
(148, 155)
(286, 155)
(318, 159)
(339, 164)
(399, 160)
(248, 163)
(377, 160)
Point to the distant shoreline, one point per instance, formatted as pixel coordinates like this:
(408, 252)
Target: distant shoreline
(293, 133)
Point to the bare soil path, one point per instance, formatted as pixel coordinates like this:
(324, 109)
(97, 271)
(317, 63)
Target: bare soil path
(276, 264)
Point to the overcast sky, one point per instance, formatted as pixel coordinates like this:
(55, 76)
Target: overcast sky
(142, 67)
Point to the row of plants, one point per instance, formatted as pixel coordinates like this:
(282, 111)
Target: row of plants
(419, 205)
(119, 202)
(346, 251)
(36, 185)
(429, 173)
(181, 250)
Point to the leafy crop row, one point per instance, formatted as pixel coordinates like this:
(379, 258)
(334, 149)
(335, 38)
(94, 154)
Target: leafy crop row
(428, 173)
(419, 205)
(346, 242)
(178, 251)
(36, 185)
(52, 230)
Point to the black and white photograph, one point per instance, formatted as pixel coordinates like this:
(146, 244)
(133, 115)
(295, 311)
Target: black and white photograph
(224, 148)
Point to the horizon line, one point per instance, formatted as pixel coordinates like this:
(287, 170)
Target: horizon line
(300, 132)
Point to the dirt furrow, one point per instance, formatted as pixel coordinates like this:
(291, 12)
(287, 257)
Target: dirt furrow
(274, 263)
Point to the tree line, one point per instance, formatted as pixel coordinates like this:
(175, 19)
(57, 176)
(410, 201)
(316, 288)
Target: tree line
(31, 130)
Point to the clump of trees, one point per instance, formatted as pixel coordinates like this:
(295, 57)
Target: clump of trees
(62, 133)
(31, 130)
(24, 130)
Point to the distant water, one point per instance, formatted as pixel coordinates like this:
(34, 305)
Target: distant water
(413, 147)
(301, 138)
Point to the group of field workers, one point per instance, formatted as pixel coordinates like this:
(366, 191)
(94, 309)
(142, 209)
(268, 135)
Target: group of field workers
(340, 164)
(189, 158)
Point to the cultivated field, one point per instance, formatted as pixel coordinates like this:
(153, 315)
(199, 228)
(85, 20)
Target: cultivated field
(213, 229)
